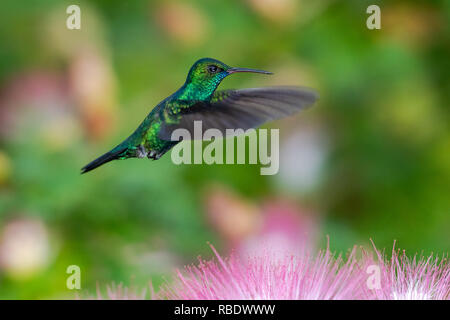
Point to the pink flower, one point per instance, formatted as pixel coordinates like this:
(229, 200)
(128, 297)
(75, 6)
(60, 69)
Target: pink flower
(265, 277)
(403, 278)
(284, 230)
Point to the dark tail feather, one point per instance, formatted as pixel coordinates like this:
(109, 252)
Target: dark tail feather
(107, 157)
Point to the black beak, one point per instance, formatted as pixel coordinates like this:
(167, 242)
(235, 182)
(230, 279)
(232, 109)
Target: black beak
(234, 70)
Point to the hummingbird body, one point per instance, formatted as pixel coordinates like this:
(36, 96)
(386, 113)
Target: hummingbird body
(198, 100)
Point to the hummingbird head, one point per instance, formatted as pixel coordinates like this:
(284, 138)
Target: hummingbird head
(207, 73)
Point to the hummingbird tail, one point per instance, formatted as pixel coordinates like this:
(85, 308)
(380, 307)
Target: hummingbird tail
(107, 157)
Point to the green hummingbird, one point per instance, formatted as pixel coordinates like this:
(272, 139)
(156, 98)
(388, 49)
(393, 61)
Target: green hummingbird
(198, 100)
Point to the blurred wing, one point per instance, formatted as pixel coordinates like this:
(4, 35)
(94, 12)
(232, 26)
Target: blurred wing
(241, 109)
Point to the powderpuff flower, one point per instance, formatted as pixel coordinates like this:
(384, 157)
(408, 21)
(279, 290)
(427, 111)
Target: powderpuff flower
(325, 276)
(404, 278)
(264, 277)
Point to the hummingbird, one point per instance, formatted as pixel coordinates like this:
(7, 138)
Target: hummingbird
(198, 100)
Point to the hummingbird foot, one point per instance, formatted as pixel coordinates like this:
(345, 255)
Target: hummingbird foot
(152, 155)
(141, 152)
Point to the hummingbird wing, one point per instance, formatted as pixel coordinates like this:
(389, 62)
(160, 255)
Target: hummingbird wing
(241, 109)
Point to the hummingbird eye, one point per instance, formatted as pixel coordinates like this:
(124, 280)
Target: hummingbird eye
(212, 68)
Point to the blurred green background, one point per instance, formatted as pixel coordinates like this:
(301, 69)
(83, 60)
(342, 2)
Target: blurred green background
(370, 160)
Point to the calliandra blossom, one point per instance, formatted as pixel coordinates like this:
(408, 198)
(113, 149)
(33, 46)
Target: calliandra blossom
(265, 277)
(324, 276)
(404, 278)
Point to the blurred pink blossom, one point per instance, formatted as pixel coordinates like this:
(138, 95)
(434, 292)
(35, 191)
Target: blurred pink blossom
(183, 22)
(24, 248)
(279, 225)
(34, 98)
(284, 230)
